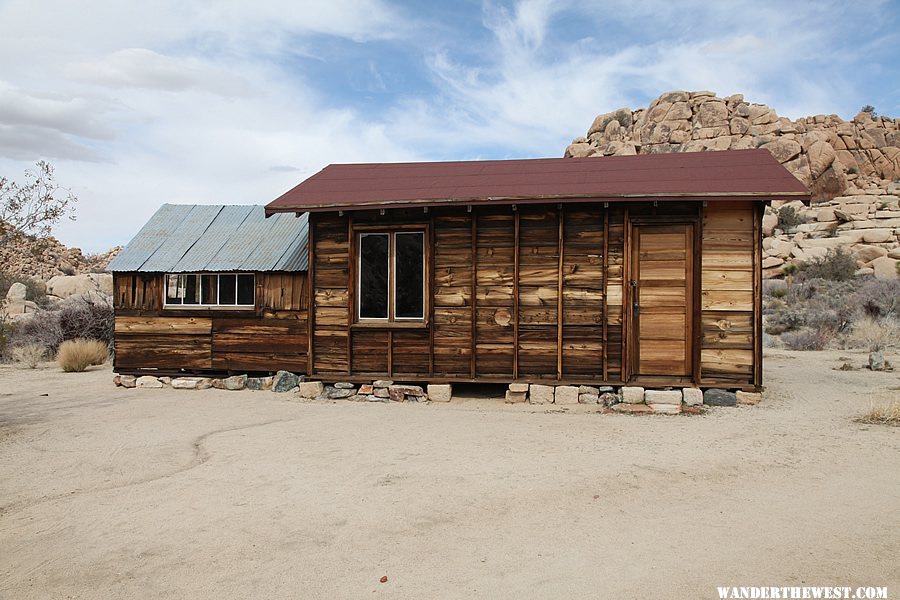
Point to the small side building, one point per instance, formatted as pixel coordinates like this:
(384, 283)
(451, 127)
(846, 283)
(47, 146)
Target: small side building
(212, 288)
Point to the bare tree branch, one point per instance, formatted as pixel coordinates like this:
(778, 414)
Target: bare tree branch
(35, 207)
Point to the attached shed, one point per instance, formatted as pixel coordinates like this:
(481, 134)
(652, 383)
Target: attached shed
(641, 269)
(636, 269)
(212, 288)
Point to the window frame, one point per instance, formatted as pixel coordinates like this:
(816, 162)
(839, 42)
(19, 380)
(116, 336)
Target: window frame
(391, 234)
(208, 306)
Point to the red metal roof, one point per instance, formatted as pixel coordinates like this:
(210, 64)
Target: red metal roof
(703, 175)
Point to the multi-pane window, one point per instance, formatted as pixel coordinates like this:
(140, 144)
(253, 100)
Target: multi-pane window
(195, 290)
(391, 281)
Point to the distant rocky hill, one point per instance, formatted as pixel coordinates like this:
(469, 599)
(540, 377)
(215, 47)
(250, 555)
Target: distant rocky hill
(851, 167)
(42, 259)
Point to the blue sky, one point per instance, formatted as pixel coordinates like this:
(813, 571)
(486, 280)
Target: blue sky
(137, 104)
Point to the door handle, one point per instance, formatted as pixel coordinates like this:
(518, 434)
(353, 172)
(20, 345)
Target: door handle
(635, 307)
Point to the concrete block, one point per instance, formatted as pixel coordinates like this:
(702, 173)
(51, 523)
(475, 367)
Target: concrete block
(663, 397)
(311, 389)
(127, 381)
(440, 392)
(540, 394)
(587, 389)
(189, 383)
(588, 398)
(632, 394)
(692, 396)
(382, 383)
(717, 397)
(518, 387)
(515, 397)
(148, 381)
(566, 394)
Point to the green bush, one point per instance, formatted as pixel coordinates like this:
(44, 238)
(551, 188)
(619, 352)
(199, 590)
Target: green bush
(788, 218)
(837, 265)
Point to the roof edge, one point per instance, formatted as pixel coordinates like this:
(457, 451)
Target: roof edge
(494, 200)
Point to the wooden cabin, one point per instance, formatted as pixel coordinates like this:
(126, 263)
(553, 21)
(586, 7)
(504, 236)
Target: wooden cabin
(636, 269)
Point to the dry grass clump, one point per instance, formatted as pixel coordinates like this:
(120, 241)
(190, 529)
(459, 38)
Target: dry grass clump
(883, 414)
(28, 355)
(78, 355)
(874, 334)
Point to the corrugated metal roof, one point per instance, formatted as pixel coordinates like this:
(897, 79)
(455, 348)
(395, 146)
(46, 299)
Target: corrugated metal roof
(216, 238)
(727, 174)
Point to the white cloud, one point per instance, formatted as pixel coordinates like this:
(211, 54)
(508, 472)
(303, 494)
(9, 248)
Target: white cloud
(143, 68)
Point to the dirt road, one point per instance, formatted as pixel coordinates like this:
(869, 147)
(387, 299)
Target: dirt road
(114, 493)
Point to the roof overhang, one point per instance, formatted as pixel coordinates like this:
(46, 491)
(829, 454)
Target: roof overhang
(508, 200)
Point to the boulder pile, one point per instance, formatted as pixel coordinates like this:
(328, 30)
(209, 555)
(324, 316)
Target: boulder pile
(851, 167)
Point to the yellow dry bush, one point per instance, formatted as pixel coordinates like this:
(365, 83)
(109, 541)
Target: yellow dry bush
(884, 414)
(29, 355)
(78, 355)
(875, 334)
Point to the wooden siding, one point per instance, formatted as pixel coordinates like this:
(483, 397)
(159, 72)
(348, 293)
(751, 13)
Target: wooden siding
(515, 294)
(728, 295)
(273, 336)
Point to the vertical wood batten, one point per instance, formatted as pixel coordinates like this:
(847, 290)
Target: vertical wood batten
(351, 289)
(604, 276)
(625, 368)
(758, 209)
(429, 294)
(515, 372)
(311, 291)
(696, 290)
(474, 293)
(559, 296)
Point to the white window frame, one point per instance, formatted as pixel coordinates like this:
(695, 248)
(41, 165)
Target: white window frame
(392, 279)
(235, 306)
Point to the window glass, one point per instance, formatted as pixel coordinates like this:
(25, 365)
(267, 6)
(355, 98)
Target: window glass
(245, 290)
(208, 289)
(373, 276)
(191, 289)
(409, 279)
(227, 289)
(173, 289)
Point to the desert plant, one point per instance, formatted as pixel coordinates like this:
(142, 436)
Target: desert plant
(788, 218)
(874, 335)
(77, 318)
(868, 108)
(883, 414)
(36, 206)
(836, 265)
(28, 355)
(806, 339)
(77, 355)
(879, 298)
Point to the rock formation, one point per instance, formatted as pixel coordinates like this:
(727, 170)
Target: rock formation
(42, 259)
(851, 167)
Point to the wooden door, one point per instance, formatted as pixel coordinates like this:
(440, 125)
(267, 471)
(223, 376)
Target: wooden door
(662, 300)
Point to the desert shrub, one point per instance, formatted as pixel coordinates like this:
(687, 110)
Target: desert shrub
(874, 334)
(818, 304)
(879, 298)
(77, 355)
(788, 218)
(35, 290)
(776, 288)
(28, 355)
(68, 320)
(868, 108)
(806, 339)
(883, 414)
(837, 265)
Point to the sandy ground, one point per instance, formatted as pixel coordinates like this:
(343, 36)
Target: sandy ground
(114, 493)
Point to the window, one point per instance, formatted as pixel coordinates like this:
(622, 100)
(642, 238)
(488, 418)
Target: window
(391, 282)
(193, 290)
